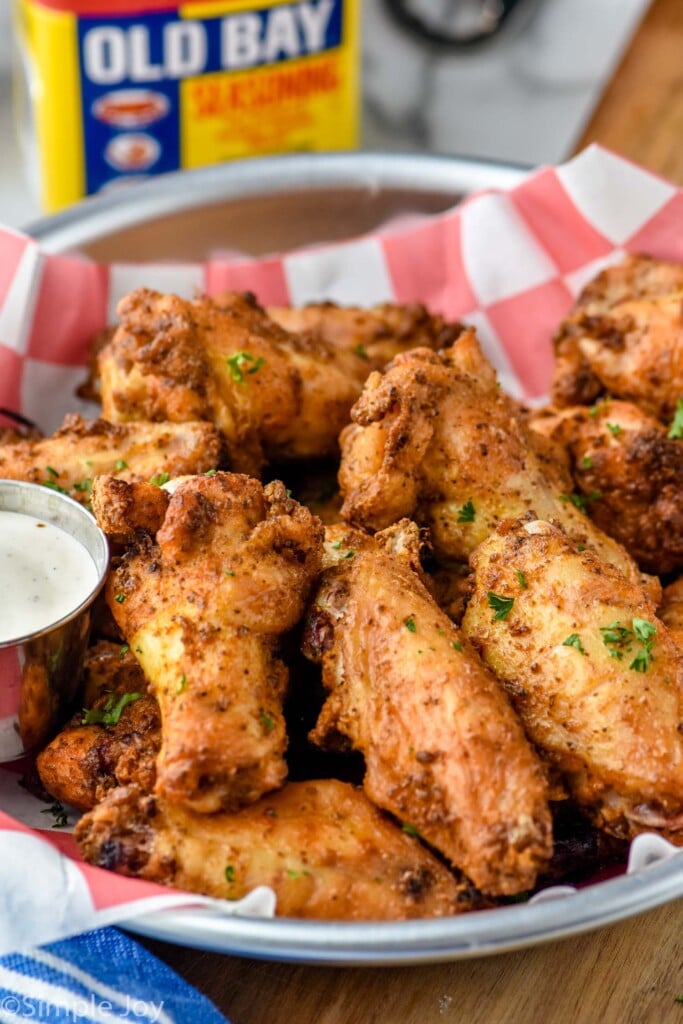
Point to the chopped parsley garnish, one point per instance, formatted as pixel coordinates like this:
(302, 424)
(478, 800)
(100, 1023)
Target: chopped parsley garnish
(502, 605)
(54, 487)
(598, 407)
(240, 360)
(267, 721)
(230, 874)
(58, 813)
(587, 462)
(120, 598)
(211, 472)
(349, 554)
(361, 351)
(123, 651)
(456, 646)
(676, 428)
(120, 464)
(159, 479)
(409, 623)
(581, 501)
(84, 485)
(574, 640)
(182, 685)
(51, 471)
(467, 513)
(521, 579)
(111, 712)
(644, 630)
(229, 572)
(337, 545)
(619, 640)
(297, 874)
(410, 830)
(614, 429)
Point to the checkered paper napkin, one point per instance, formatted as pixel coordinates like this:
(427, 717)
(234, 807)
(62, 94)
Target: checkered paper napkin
(509, 262)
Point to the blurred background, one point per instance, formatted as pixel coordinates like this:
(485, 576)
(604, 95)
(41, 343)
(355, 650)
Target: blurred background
(506, 80)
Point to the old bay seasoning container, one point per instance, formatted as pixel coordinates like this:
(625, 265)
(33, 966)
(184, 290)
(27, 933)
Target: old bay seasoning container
(124, 89)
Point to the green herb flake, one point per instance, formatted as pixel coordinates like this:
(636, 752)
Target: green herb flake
(182, 685)
(266, 720)
(409, 623)
(54, 487)
(123, 651)
(57, 811)
(641, 662)
(349, 554)
(228, 572)
(614, 429)
(84, 485)
(159, 479)
(120, 598)
(361, 351)
(501, 605)
(230, 874)
(467, 513)
(676, 428)
(678, 999)
(587, 462)
(120, 465)
(51, 471)
(644, 630)
(410, 830)
(111, 712)
(211, 472)
(574, 640)
(521, 579)
(336, 546)
(456, 646)
(581, 501)
(239, 362)
(270, 812)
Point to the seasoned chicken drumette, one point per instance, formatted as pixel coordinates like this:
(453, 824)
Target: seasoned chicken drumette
(625, 338)
(435, 438)
(82, 449)
(443, 749)
(595, 677)
(671, 611)
(202, 606)
(630, 474)
(321, 845)
(271, 393)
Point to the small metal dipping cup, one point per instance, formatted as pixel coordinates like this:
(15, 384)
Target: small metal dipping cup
(40, 673)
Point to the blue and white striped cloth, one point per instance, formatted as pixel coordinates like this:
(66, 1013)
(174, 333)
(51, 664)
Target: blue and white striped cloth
(100, 977)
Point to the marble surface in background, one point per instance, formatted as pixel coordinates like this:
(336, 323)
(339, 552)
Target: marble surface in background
(523, 97)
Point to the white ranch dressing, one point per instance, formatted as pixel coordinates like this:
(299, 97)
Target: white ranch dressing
(45, 574)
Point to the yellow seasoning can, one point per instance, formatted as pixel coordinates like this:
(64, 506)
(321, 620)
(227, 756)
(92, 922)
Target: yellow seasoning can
(124, 89)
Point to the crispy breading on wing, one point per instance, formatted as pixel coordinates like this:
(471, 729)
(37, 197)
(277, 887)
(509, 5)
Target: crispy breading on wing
(594, 675)
(84, 762)
(630, 475)
(444, 750)
(110, 668)
(272, 394)
(436, 439)
(624, 338)
(202, 606)
(82, 449)
(321, 845)
(670, 610)
(373, 335)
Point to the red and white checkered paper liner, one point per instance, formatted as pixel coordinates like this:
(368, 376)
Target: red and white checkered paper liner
(509, 262)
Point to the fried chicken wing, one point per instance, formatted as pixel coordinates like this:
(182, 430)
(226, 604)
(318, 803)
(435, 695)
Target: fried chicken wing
(630, 475)
(671, 611)
(444, 751)
(594, 675)
(374, 335)
(110, 668)
(85, 761)
(82, 449)
(272, 394)
(321, 845)
(202, 606)
(436, 439)
(624, 338)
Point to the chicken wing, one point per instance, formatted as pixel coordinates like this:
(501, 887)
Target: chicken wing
(321, 845)
(110, 668)
(624, 338)
(271, 393)
(630, 475)
(87, 759)
(435, 438)
(444, 751)
(82, 449)
(671, 611)
(594, 676)
(202, 606)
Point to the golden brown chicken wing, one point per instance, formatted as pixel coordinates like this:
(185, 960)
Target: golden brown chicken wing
(271, 393)
(671, 611)
(202, 606)
(321, 845)
(82, 449)
(110, 668)
(630, 475)
(435, 438)
(624, 338)
(112, 743)
(593, 674)
(443, 749)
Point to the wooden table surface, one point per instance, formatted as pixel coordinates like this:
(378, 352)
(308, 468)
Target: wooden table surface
(630, 973)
